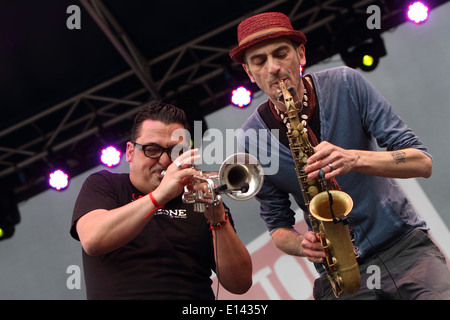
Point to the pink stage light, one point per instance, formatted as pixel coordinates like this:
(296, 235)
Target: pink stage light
(418, 12)
(241, 97)
(110, 156)
(58, 180)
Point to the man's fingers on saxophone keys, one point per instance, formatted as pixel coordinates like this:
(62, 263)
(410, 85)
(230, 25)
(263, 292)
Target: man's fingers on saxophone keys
(314, 259)
(315, 256)
(312, 247)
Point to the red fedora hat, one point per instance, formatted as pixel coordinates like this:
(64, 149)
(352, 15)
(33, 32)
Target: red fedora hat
(262, 27)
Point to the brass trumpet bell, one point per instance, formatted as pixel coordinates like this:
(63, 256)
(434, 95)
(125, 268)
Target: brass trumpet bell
(243, 176)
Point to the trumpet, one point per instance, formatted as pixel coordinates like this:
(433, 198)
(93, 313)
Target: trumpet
(240, 177)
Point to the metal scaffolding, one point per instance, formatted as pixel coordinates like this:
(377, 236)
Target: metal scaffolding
(195, 69)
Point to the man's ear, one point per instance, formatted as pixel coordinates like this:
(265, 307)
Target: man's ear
(249, 73)
(130, 151)
(301, 54)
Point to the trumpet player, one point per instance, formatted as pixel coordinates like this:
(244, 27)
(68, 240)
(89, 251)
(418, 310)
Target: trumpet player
(346, 117)
(139, 240)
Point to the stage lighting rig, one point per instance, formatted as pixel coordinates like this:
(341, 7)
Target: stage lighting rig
(9, 214)
(366, 55)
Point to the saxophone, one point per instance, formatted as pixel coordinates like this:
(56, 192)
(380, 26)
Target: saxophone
(327, 209)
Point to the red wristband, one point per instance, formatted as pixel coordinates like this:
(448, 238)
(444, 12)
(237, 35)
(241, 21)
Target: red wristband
(157, 206)
(153, 200)
(219, 225)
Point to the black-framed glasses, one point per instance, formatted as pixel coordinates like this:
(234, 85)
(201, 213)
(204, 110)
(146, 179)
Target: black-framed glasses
(155, 151)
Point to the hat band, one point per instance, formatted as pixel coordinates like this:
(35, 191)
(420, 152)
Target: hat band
(261, 33)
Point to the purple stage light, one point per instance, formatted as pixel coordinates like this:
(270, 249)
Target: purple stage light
(418, 12)
(110, 156)
(241, 97)
(58, 180)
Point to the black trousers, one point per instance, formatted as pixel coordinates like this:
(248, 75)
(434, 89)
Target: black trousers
(412, 269)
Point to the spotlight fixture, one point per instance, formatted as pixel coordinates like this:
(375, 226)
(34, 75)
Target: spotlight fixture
(417, 12)
(58, 180)
(367, 60)
(241, 97)
(110, 156)
(366, 55)
(9, 213)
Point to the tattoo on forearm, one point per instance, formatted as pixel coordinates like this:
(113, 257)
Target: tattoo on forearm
(399, 156)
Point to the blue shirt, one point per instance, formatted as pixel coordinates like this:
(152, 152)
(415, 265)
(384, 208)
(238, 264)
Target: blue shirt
(353, 115)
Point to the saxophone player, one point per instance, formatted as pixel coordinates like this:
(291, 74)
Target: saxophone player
(347, 120)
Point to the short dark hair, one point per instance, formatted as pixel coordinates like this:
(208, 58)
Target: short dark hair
(166, 113)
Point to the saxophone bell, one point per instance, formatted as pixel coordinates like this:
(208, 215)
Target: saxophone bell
(331, 211)
(334, 232)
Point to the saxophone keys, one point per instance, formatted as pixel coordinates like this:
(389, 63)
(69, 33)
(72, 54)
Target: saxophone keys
(305, 135)
(340, 281)
(333, 262)
(326, 244)
(312, 191)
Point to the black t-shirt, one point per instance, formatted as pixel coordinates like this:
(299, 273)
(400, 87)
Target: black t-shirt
(171, 258)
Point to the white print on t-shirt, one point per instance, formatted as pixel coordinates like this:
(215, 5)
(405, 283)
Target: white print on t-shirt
(172, 213)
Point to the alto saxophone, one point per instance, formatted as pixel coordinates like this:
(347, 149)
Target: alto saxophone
(327, 209)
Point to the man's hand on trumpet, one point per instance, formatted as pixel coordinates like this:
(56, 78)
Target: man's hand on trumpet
(180, 174)
(177, 175)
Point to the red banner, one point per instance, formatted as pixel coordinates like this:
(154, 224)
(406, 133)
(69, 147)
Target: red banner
(276, 275)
